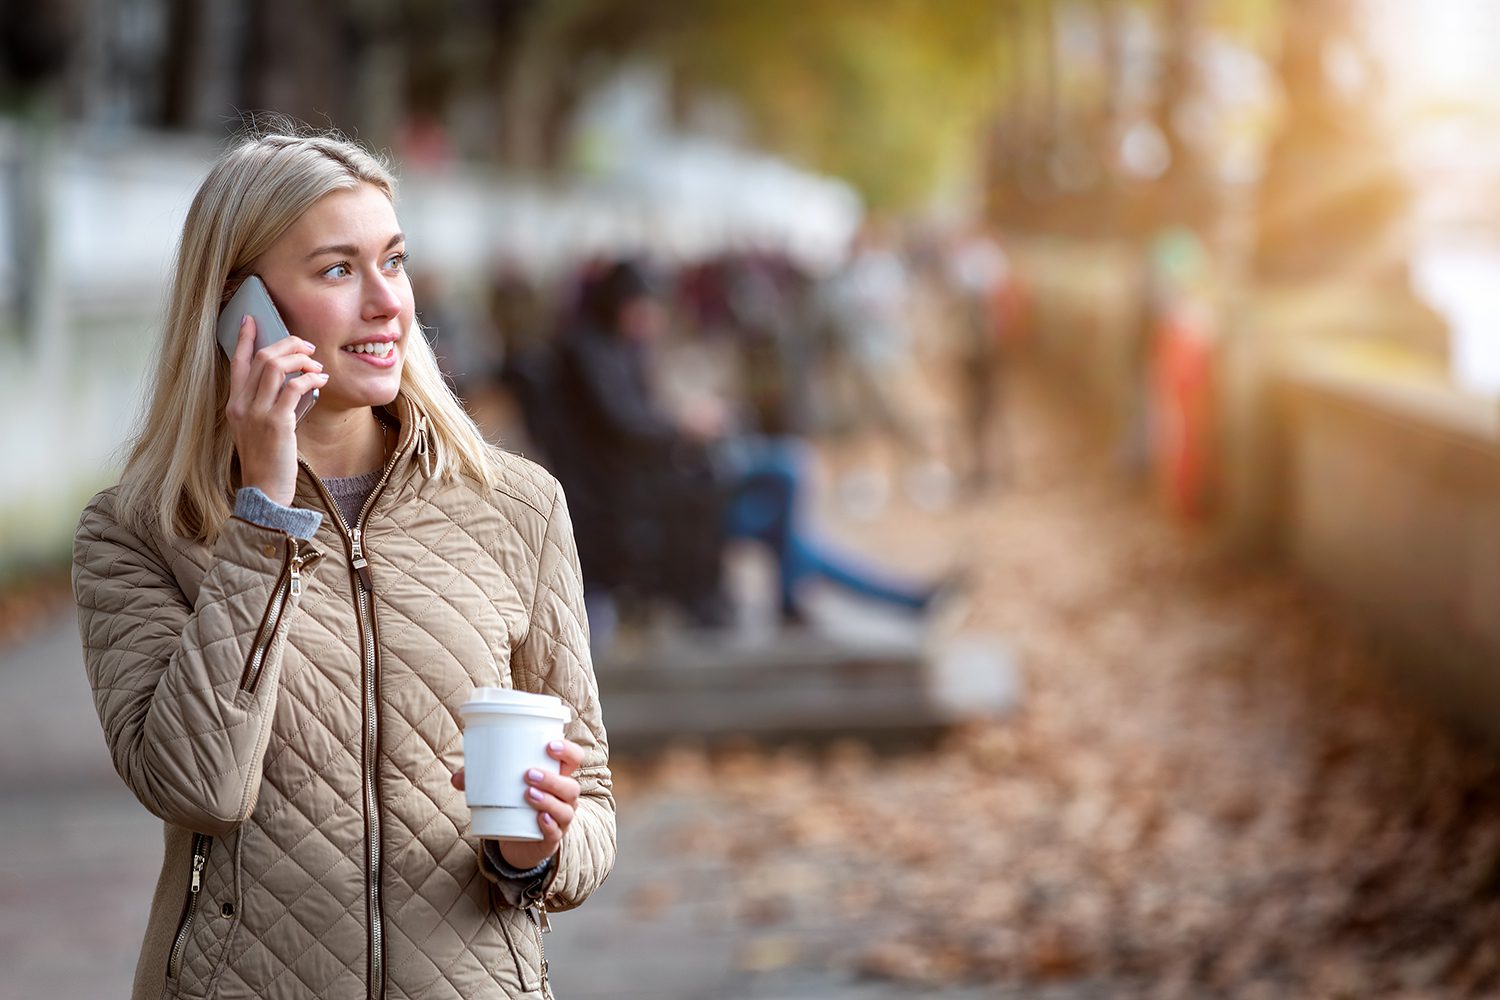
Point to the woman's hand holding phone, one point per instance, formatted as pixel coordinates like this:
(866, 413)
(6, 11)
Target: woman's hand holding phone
(262, 408)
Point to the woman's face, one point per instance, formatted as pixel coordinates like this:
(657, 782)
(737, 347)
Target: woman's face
(338, 277)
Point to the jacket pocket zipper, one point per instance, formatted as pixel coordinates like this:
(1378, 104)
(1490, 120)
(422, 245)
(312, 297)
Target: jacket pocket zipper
(201, 844)
(288, 585)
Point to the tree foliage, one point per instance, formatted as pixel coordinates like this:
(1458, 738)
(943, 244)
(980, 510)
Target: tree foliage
(890, 94)
(894, 95)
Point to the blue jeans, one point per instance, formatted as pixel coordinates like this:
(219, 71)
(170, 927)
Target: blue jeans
(767, 479)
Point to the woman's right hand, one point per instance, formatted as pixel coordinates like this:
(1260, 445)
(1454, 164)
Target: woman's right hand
(262, 409)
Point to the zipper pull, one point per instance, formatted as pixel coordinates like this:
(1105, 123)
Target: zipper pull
(198, 862)
(357, 560)
(296, 582)
(423, 459)
(539, 914)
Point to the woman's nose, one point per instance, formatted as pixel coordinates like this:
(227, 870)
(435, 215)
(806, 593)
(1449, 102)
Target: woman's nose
(382, 298)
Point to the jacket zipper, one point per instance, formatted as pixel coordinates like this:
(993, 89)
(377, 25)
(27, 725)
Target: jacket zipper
(201, 844)
(363, 589)
(288, 585)
(538, 914)
(372, 764)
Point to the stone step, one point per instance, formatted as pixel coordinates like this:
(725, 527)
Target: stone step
(889, 686)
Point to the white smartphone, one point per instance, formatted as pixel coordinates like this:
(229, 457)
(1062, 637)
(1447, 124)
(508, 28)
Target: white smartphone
(252, 299)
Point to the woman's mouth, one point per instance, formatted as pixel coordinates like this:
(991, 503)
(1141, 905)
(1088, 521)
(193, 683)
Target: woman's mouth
(379, 348)
(381, 353)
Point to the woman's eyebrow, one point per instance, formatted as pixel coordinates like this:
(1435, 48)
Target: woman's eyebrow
(349, 249)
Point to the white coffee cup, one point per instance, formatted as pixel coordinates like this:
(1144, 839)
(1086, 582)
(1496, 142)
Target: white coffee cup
(506, 733)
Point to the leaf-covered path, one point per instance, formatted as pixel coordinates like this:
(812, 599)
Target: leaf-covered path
(1209, 792)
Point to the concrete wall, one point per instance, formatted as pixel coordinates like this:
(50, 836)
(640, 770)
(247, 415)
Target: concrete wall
(1352, 459)
(1393, 507)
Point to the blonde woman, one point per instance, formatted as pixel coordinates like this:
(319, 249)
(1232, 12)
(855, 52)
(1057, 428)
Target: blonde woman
(280, 621)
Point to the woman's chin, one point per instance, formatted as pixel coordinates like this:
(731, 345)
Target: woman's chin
(359, 393)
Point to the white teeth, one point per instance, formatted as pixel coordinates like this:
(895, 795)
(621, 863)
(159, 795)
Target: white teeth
(380, 349)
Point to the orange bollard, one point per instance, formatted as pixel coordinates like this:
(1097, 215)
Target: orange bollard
(1183, 422)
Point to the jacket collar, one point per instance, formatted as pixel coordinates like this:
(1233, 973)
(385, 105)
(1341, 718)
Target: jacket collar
(414, 443)
(412, 456)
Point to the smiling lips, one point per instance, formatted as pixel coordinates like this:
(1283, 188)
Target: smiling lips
(380, 353)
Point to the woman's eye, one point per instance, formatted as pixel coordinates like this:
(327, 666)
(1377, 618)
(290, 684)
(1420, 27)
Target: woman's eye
(338, 271)
(397, 261)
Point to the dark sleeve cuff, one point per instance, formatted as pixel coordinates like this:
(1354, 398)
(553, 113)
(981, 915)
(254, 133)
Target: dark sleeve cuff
(505, 868)
(257, 508)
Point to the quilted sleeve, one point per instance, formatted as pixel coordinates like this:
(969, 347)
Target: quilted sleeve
(185, 692)
(552, 657)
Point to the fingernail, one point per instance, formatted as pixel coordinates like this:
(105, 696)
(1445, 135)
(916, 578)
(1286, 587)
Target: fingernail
(534, 794)
(547, 820)
(244, 320)
(534, 775)
(555, 746)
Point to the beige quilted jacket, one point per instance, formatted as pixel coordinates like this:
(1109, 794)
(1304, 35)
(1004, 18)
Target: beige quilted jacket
(290, 710)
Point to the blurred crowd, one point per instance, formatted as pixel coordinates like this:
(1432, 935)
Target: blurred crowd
(687, 408)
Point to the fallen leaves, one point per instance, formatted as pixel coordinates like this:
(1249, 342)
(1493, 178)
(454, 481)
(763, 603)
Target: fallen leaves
(1209, 791)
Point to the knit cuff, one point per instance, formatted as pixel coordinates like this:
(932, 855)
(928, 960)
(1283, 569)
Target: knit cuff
(510, 871)
(257, 508)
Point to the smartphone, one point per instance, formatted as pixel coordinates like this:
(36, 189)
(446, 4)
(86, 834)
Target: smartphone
(252, 299)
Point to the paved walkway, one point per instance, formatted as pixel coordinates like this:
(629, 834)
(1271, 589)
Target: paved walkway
(80, 854)
(81, 858)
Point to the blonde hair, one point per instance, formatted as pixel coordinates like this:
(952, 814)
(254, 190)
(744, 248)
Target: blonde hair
(177, 478)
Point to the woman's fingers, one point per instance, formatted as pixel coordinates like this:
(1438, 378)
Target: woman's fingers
(458, 779)
(246, 356)
(274, 369)
(567, 753)
(244, 350)
(293, 391)
(256, 381)
(550, 805)
(559, 785)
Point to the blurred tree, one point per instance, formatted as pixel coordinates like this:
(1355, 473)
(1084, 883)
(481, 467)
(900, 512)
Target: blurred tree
(36, 44)
(1184, 192)
(545, 57)
(890, 95)
(1335, 203)
(1065, 150)
(1333, 196)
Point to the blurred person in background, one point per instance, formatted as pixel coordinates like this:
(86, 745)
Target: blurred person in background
(658, 493)
(978, 275)
(280, 620)
(866, 308)
(639, 476)
(521, 330)
(775, 349)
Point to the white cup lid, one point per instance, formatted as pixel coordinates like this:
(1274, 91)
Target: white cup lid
(508, 699)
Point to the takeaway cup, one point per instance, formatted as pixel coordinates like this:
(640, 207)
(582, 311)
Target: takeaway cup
(506, 733)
